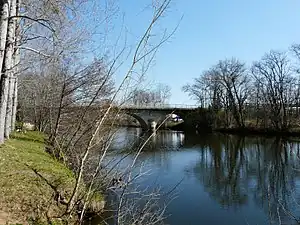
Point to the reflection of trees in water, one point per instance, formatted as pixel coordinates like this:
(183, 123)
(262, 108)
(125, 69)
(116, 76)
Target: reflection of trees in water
(233, 170)
(133, 138)
(163, 140)
(236, 169)
(159, 147)
(276, 182)
(156, 151)
(221, 172)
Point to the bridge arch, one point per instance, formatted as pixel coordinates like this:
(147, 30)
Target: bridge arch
(142, 122)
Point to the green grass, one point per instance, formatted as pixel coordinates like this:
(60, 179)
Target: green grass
(24, 196)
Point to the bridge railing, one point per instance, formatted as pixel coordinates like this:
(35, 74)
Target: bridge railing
(159, 106)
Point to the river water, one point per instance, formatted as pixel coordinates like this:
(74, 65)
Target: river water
(220, 179)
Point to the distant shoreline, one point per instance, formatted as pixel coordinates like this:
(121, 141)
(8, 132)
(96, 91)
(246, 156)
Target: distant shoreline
(258, 131)
(235, 131)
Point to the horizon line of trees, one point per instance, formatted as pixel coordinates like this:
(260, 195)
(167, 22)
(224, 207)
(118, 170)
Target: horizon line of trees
(263, 95)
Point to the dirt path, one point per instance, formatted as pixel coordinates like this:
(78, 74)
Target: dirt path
(6, 219)
(3, 217)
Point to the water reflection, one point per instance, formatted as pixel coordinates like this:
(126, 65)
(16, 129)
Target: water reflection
(135, 138)
(239, 180)
(265, 170)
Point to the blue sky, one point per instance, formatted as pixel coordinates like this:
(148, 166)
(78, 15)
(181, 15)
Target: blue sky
(212, 30)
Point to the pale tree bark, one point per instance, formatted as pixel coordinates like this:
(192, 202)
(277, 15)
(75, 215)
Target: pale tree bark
(3, 29)
(8, 68)
(14, 103)
(16, 68)
(8, 118)
(3, 35)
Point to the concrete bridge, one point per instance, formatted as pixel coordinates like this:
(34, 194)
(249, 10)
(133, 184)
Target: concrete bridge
(151, 116)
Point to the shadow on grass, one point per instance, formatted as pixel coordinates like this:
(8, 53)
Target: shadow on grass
(29, 136)
(59, 198)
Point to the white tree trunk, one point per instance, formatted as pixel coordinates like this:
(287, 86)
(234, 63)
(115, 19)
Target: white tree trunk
(3, 87)
(15, 104)
(3, 29)
(16, 67)
(9, 108)
(8, 68)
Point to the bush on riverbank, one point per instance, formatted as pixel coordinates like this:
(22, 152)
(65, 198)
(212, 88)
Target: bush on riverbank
(205, 120)
(256, 127)
(32, 182)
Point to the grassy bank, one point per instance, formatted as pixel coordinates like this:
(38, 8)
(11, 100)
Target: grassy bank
(29, 177)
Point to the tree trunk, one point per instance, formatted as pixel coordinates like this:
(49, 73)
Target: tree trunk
(9, 107)
(8, 69)
(16, 67)
(14, 104)
(3, 85)
(3, 29)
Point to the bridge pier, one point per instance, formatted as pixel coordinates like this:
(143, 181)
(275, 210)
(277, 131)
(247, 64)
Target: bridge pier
(152, 125)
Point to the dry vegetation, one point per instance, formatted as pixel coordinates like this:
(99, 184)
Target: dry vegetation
(48, 46)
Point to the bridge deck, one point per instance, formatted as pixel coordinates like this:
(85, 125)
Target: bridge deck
(160, 107)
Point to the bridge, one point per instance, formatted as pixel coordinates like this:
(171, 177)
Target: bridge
(152, 115)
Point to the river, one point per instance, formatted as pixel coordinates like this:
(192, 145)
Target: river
(220, 179)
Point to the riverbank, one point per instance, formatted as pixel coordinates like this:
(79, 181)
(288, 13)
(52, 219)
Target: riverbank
(31, 182)
(166, 126)
(258, 131)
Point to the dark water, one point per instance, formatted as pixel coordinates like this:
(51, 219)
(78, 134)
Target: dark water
(221, 179)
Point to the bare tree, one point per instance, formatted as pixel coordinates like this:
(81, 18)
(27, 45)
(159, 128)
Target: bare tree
(232, 76)
(197, 90)
(296, 68)
(158, 95)
(74, 100)
(225, 85)
(163, 92)
(273, 74)
(80, 131)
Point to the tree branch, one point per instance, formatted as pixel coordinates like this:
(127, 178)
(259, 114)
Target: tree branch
(35, 51)
(40, 21)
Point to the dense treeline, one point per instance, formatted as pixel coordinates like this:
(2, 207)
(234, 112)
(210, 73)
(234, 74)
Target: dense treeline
(264, 95)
